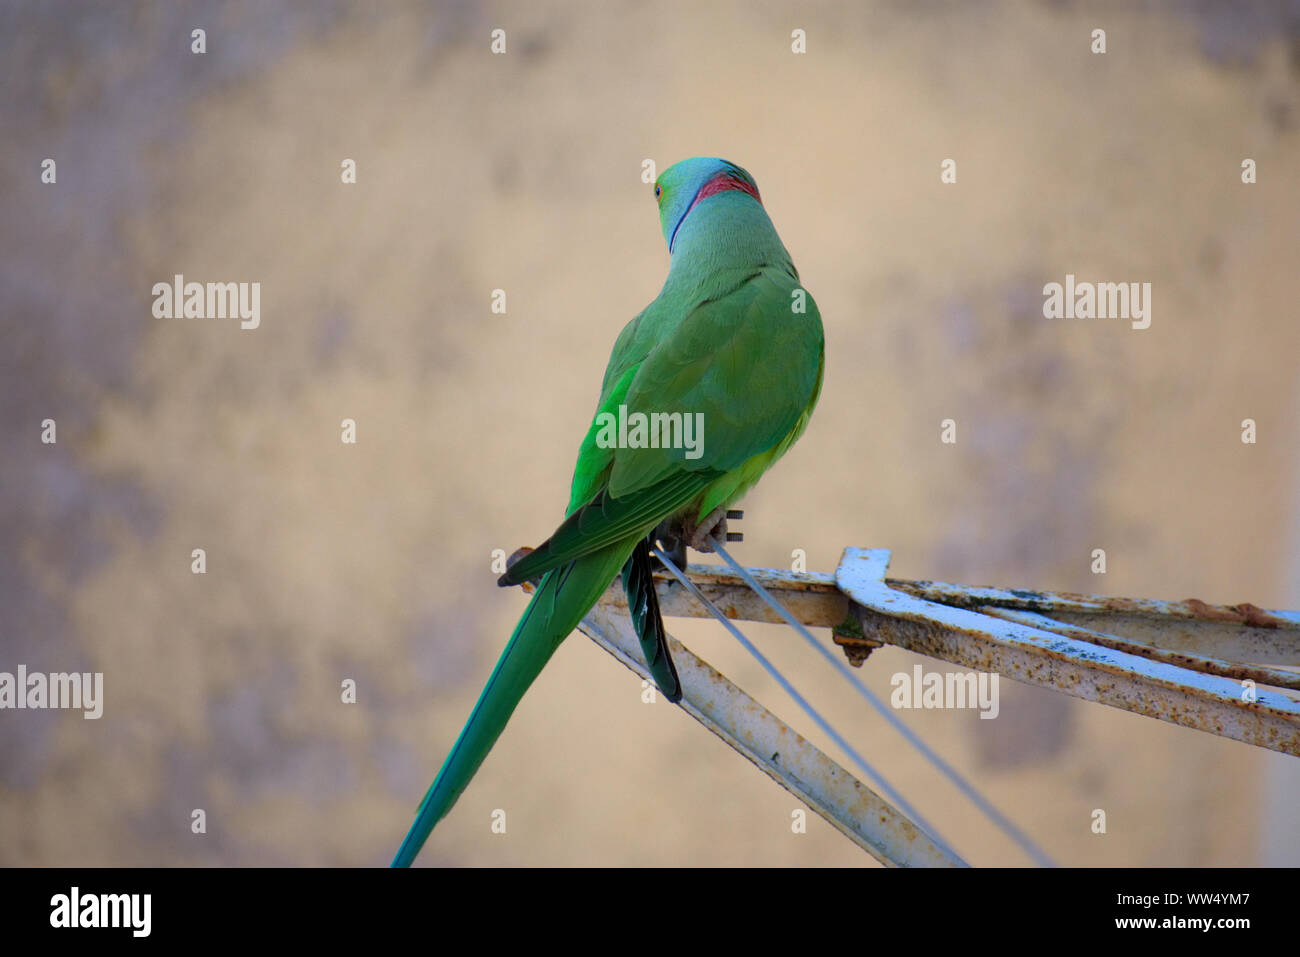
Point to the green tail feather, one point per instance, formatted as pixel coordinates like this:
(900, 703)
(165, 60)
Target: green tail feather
(563, 597)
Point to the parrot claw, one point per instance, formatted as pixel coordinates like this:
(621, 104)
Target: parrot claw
(674, 535)
(700, 536)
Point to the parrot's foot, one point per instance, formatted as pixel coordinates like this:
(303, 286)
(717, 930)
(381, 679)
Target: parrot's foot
(674, 535)
(714, 525)
(698, 535)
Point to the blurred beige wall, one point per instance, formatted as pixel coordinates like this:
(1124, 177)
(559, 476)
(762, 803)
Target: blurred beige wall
(371, 561)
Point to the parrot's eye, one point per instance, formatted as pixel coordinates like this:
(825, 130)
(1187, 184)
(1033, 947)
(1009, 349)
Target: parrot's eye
(658, 191)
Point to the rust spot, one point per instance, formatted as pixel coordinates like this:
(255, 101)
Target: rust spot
(856, 649)
(1243, 614)
(1123, 606)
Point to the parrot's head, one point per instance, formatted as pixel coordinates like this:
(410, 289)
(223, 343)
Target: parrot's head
(683, 186)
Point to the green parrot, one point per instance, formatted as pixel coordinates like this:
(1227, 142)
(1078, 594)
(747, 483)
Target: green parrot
(732, 343)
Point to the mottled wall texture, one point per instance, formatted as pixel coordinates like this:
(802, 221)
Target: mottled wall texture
(328, 561)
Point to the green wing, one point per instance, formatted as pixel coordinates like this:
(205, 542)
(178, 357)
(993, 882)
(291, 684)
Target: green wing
(746, 361)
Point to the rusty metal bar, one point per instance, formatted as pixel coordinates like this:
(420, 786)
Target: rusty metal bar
(1212, 666)
(1231, 632)
(784, 755)
(1238, 633)
(812, 597)
(1183, 662)
(1084, 669)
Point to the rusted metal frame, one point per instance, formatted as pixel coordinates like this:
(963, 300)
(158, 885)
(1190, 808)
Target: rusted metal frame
(1233, 633)
(1211, 666)
(1168, 633)
(954, 777)
(889, 792)
(812, 597)
(1084, 669)
(1214, 639)
(784, 755)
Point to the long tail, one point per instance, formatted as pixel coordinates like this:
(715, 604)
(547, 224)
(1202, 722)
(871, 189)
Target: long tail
(563, 597)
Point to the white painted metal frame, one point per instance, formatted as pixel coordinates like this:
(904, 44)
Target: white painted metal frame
(1219, 669)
